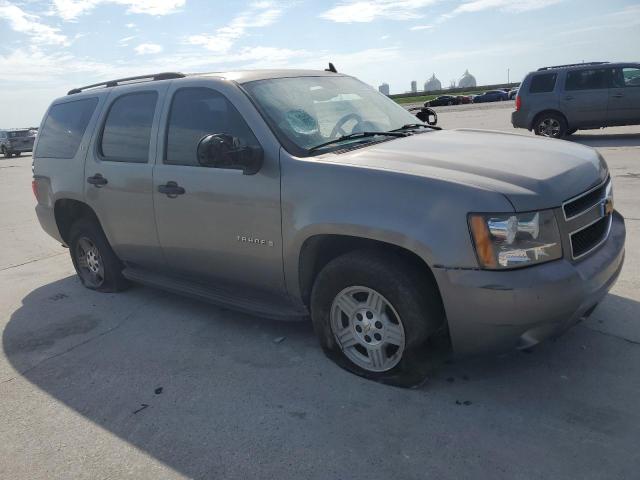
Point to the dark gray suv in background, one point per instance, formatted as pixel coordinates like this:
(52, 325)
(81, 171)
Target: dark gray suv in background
(558, 101)
(16, 142)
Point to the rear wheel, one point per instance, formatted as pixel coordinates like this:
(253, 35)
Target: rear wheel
(6, 153)
(550, 125)
(373, 315)
(95, 262)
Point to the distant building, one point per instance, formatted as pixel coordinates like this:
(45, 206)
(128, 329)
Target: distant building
(467, 80)
(414, 86)
(384, 88)
(432, 84)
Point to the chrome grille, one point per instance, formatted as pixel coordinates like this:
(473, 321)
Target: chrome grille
(588, 219)
(584, 202)
(590, 237)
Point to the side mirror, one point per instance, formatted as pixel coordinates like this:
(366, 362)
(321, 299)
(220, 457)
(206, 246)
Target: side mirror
(221, 150)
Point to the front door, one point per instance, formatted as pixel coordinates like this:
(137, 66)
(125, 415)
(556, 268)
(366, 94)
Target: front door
(215, 224)
(585, 97)
(118, 173)
(624, 96)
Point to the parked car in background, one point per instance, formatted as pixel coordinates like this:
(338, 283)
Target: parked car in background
(442, 101)
(513, 93)
(17, 141)
(261, 190)
(491, 96)
(464, 99)
(558, 101)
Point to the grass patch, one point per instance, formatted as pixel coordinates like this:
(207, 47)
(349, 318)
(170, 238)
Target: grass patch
(425, 98)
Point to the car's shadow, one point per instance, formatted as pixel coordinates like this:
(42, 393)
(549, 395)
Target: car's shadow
(607, 140)
(217, 394)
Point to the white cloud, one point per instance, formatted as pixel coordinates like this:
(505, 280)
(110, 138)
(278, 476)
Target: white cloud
(513, 6)
(489, 50)
(130, 25)
(367, 11)
(23, 22)
(421, 27)
(148, 48)
(260, 14)
(72, 9)
(125, 41)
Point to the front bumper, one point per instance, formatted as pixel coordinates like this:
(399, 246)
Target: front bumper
(492, 311)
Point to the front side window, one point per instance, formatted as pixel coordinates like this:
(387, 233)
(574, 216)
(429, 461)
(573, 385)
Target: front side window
(197, 112)
(305, 112)
(587, 79)
(626, 77)
(64, 128)
(127, 131)
(543, 83)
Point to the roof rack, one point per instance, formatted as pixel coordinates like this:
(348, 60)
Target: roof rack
(572, 65)
(115, 83)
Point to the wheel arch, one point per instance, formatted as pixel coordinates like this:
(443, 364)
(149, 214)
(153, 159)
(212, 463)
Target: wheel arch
(318, 250)
(547, 111)
(68, 211)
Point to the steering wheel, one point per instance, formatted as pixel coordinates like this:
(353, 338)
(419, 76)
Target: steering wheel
(339, 131)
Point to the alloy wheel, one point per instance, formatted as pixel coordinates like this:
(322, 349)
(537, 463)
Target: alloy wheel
(89, 261)
(549, 127)
(367, 328)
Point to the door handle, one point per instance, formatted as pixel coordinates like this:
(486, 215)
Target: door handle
(171, 189)
(618, 95)
(568, 97)
(97, 180)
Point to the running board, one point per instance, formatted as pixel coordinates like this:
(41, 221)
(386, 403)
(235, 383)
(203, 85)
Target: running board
(278, 309)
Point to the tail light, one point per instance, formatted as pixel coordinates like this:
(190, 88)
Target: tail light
(34, 188)
(518, 102)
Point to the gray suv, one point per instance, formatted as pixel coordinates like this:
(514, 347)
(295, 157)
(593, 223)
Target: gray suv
(558, 101)
(295, 193)
(16, 142)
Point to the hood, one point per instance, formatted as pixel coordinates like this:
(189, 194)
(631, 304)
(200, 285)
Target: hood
(533, 173)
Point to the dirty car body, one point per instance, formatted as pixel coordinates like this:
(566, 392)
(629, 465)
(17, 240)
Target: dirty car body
(261, 239)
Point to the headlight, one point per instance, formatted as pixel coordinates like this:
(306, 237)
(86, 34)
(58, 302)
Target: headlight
(513, 240)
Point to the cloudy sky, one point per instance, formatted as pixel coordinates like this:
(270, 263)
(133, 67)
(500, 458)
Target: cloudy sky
(48, 47)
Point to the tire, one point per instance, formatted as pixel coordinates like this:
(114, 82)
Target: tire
(17, 154)
(450, 103)
(551, 125)
(385, 340)
(571, 131)
(6, 153)
(95, 262)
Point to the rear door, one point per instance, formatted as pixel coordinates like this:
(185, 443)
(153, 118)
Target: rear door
(586, 96)
(624, 96)
(118, 172)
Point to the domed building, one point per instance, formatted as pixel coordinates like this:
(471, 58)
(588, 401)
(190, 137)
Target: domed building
(432, 84)
(467, 80)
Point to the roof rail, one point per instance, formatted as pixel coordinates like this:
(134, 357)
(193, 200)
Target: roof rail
(115, 83)
(572, 65)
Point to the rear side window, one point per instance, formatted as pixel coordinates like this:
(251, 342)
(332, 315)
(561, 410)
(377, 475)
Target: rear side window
(64, 128)
(127, 131)
(543, 83)
(196, 112)
(586, 79)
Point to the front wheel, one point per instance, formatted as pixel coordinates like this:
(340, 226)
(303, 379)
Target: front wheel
(95, 262)
(550, 125)
(373, 315)
(7, 153)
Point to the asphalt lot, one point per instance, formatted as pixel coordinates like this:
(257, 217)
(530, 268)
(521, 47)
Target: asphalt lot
(81, 373)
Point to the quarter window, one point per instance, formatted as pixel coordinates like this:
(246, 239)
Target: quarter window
(626, 77)
(195, 113)
(587, 79)
(127, 131)
(64, 128)
(543, 83)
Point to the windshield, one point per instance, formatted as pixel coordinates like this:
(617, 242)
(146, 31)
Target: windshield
(305, 112)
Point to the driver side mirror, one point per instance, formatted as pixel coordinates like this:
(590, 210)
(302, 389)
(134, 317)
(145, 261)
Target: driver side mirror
(221, 150)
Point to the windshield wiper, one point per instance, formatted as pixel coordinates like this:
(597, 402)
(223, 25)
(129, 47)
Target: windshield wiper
(413, 126)
(351, 136)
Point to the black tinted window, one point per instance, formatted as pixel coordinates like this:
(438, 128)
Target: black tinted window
(64, 127)
(127, 131)
(196, 112)
(543, 82)
(586, 79)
